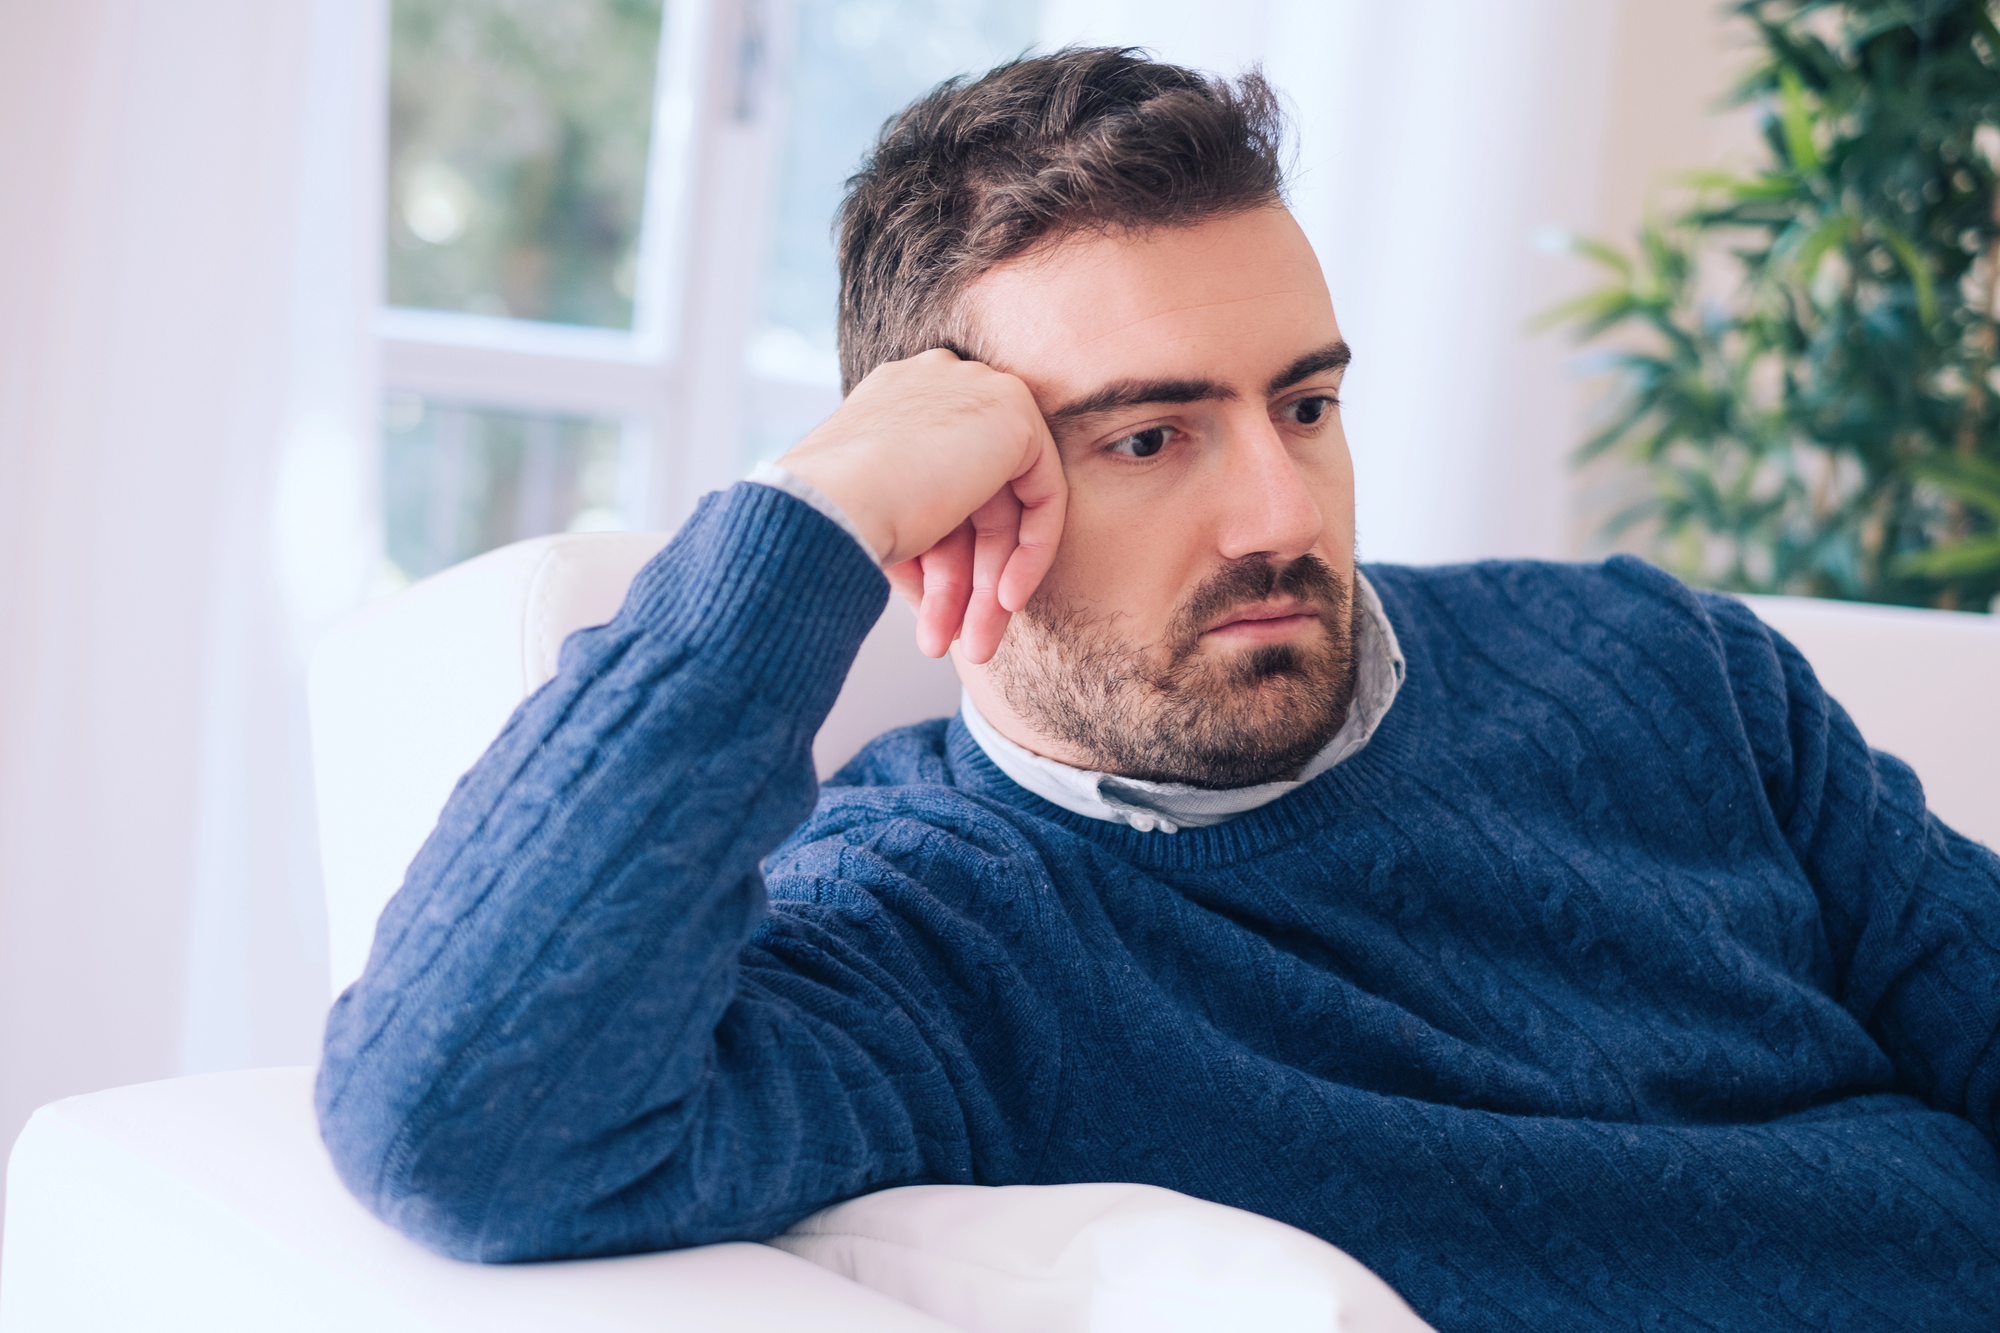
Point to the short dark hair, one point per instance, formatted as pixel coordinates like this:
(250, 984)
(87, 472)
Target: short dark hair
(976, 172)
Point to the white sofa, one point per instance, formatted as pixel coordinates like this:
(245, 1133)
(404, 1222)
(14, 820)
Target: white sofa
(208, 1202)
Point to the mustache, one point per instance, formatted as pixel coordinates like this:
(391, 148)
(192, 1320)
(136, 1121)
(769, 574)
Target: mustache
(1249, 580)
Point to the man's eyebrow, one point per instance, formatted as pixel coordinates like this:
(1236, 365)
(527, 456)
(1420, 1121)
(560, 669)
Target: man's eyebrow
(1333, 356)
(1136, 393)
(1133, 393)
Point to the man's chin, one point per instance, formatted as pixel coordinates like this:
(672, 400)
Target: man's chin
(1245, 736)
(1267, 668)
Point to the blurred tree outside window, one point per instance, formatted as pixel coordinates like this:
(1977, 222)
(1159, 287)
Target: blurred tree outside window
(518, 138)
(1806, 357)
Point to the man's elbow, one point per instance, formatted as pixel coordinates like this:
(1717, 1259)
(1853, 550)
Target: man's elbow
(449, 1202)
(444, 1217)
(445, 1226)
(372, 1155)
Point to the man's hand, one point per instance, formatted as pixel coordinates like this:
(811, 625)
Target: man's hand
(949, 471)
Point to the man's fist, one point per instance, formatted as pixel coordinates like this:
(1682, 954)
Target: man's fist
(949, 471)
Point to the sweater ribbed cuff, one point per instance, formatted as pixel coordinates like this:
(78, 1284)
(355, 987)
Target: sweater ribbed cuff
(762, 585)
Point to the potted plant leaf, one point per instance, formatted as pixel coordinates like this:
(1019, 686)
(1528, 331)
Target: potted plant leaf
(1805, 355)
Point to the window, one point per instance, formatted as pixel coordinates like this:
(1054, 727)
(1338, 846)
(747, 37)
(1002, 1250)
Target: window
(609, 264)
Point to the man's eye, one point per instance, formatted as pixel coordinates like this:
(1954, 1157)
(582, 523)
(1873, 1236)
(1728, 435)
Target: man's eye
(1142, 444)
(1310, 411)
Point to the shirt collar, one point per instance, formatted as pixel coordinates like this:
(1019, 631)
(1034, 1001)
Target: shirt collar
(1171, 806)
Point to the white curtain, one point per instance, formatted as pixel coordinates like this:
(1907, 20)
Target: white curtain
(185, 427)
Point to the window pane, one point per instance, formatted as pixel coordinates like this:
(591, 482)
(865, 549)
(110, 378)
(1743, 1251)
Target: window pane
(857, 62)
(458, 480)
(518, 134)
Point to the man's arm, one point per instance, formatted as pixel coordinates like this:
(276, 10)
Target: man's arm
(1911, 908)
(561, 1045)
(948, 470)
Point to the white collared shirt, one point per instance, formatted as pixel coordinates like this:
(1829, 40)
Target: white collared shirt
(1163, 806)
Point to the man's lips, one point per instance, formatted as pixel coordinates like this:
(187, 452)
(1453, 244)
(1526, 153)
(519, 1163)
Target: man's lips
(1264, 621)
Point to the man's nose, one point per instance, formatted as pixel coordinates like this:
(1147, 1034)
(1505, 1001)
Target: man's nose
(1266, 507)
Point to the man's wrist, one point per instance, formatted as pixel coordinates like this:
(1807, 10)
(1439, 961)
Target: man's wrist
(779, 477)
(852, 488)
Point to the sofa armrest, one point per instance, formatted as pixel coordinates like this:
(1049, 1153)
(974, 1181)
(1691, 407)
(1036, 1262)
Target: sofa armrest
(1096, 1258)
(208, 1203)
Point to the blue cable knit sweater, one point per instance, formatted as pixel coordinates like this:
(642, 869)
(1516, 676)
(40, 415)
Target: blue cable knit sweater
(1615, 985)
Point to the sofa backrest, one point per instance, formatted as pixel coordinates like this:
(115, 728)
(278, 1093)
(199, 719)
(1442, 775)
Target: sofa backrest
(1922, 685)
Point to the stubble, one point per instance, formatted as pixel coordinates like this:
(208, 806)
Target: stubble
(1174, 711)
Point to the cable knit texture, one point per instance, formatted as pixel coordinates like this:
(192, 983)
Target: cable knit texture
(1615, 985)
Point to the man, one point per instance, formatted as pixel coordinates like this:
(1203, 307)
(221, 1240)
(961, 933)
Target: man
(1541, 935)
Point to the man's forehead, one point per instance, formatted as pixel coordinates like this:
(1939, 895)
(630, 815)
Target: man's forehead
(1234, 299)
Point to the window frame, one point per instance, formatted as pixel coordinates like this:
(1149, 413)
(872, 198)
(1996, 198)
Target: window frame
(678, 379)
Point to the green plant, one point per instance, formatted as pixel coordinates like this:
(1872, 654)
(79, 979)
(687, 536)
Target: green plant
(1830, 424)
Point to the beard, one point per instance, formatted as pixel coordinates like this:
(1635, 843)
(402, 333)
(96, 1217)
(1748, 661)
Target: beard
(1171, 712)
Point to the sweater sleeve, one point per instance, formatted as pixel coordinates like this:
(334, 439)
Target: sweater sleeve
(562, 1044)
(1911, 909)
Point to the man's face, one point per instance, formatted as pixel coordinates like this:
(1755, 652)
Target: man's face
(1196, 625)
